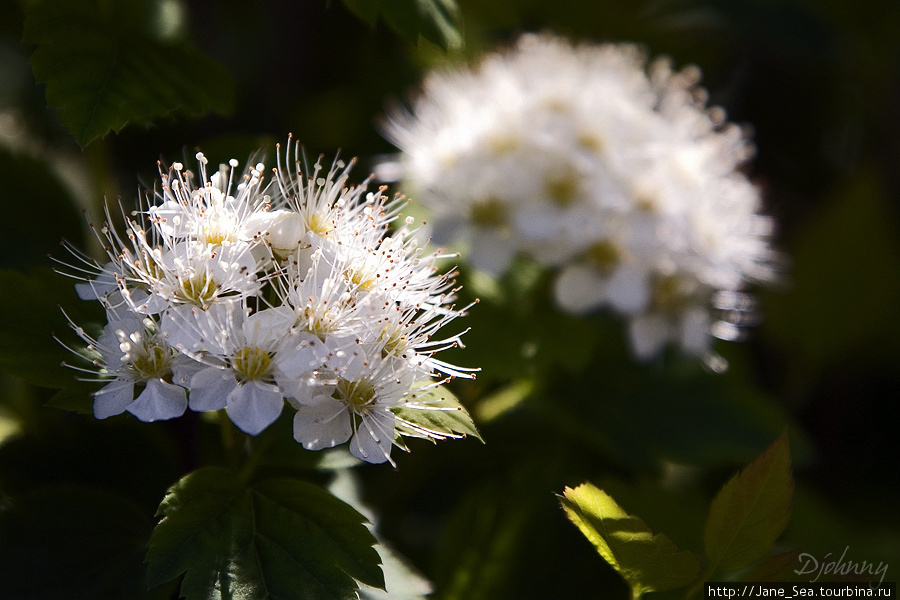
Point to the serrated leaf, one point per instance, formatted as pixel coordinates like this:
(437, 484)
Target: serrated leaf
(278, 538)
(104, 67)
(751, 510)
(438, 21)
(365, 10)
(436, 410)
(647, 561)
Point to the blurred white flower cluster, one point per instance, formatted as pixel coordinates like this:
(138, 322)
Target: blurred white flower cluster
(227, 293)
(612, 171)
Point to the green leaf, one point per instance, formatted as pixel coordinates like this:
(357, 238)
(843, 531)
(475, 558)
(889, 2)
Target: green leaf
(61, 449)
(844, 284)
(484, 539)
(278, 538)
(647, 561)
(438, 411)
(23, 240)
(503, 401)
(780, 567)
(108, 64)
(438, 21)
(66, 542)
(751, 510)
(30, 316)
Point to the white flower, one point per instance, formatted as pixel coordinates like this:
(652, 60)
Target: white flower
(589, 161)
(132, 353)
(247, 298)
(358, 408)
(239, 353)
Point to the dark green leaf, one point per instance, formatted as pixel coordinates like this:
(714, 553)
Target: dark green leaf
(365, 10)
(436, 410)
(516, 329)
(780, 567)
(76, 399)
(438, 21)
(647, 561)
(121, 454)
(24, 242)
(105, 65)
(482, 542)
(71, 543)
(30, 316)
(279, 538)
(751, 510)
(844, 284)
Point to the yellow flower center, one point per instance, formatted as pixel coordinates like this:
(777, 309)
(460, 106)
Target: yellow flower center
(251, 363)
(363, 278)
(199, 289)
(395, 341)
(355, 394)
(670, 294)
(152, 362)
(562, 189)
(502, 144)
(489, 213)
(589, 141)
(318, 224)
(604, 255)
(318, 322)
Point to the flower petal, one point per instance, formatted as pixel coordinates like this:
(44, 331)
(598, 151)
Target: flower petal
(374, 437)
(629, 289)
(648, 334)
(159, 401)
(113, 398)
(324, 425)
(580, 289)
(695, 332)
(254, 406)
(210, 388)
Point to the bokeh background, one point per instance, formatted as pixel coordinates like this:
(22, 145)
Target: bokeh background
(558, 401)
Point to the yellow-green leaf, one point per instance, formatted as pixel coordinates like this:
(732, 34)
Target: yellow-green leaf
(751, 510)
(648, 562)
(435, 413)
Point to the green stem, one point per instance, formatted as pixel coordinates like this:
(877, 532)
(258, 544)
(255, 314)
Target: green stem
(256, 454)
(232, 441)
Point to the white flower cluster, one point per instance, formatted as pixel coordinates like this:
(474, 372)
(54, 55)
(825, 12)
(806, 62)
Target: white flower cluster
(226, 293)
(611, 171)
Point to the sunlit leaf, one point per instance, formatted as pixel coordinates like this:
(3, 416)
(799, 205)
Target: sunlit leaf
(751, 510)
(438, 21)
(108, 64)
(647, 561)
(436, 410)
(504, 400)
(278, 538)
